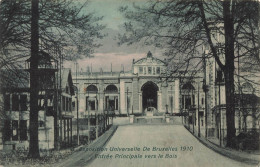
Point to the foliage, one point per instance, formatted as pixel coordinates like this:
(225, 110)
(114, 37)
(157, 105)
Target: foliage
(64, 28)
(183, 28)
(186, 29)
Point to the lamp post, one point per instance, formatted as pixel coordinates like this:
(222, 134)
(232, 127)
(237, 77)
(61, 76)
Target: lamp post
(198, 110)
(88, 119)
(171, 100)
(127, 102)
(220, 135)
(77, 103)
(193, 117)
(205, 89)
(219, 80)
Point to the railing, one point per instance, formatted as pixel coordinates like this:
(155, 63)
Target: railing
(99, 124)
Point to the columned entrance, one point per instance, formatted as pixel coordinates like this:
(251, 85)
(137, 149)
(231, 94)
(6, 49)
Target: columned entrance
(149, 95)
(111, 98)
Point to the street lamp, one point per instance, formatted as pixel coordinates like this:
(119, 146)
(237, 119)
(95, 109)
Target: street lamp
(171, 100)
(77, 102)
(88, 118)
(198, 110)
(219, 80)
(127, 102)
(206, 89)
(193, 110)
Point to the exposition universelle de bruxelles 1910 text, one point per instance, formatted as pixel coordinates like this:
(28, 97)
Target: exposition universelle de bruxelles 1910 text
(137, 152)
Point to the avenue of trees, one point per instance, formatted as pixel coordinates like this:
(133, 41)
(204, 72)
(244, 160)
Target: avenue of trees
(183, 28)
(62, 28)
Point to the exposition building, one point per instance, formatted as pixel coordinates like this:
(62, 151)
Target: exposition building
(199, 99)
(134, 92)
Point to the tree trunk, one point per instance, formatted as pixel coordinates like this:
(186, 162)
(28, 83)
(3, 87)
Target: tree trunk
(229, 71)
(34, 142)
(230, 107)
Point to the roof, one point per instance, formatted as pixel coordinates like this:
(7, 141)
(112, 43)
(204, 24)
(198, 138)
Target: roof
(66, 78)
(18, 79)
(43, 57)
(14, 79)
(149, 56)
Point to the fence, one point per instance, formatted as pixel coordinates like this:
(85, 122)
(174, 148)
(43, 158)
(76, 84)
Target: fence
(99, 123)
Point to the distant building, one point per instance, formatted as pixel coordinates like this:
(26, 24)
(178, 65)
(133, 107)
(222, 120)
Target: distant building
(147, 87)
(131, 92)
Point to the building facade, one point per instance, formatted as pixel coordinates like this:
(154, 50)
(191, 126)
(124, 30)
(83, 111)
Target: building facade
(133, 92)
(199, 98)
(54, 104)
(145, 88)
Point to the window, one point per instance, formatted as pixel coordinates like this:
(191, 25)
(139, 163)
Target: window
(23, 130)
(187, 101)
(63, 103)
(158, 70)
(111, 103)
(67, 89)
(40, 124)
(15, 103)
(149, 70)
(92, 89)
(86, 103)
(144, 70)
(67, 103)
(140, 70)
(116, 107)
(15, 130)
(73, 105)
(7, 130)
(92, 105)
(7, 102)
(23, 101)
(171, 103)
(111, 89)
(202, 100)
(153, 70)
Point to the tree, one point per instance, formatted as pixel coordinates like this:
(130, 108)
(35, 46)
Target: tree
(60, 28)
(182, 28)
(64, 26)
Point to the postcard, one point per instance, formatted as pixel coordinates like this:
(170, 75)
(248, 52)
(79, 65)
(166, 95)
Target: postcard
(123, 83)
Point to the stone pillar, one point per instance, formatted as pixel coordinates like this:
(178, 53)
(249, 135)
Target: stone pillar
(131, 119)
(167, 118)
(135, 94)
(71, 135)
(101, 101)
(177, 96)
(159, 101)
(197, 102)
(140, 102)
(122, 97)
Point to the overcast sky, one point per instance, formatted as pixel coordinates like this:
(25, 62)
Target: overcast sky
(110, 52)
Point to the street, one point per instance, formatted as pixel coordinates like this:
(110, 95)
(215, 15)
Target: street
(160, 146)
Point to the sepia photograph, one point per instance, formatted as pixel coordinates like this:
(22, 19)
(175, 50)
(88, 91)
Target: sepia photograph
(129, 83)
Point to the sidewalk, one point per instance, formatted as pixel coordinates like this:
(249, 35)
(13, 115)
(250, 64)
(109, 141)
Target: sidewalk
(85, 154)
(249, 158)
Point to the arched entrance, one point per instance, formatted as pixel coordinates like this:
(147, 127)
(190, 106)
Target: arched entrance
(111, 98)
(149, 94)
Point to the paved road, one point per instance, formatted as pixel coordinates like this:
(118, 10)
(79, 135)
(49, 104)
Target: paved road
(162, 137)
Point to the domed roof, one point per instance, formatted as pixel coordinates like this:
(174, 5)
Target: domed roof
(149, 59)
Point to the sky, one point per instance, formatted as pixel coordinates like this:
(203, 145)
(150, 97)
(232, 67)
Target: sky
(110, 52)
